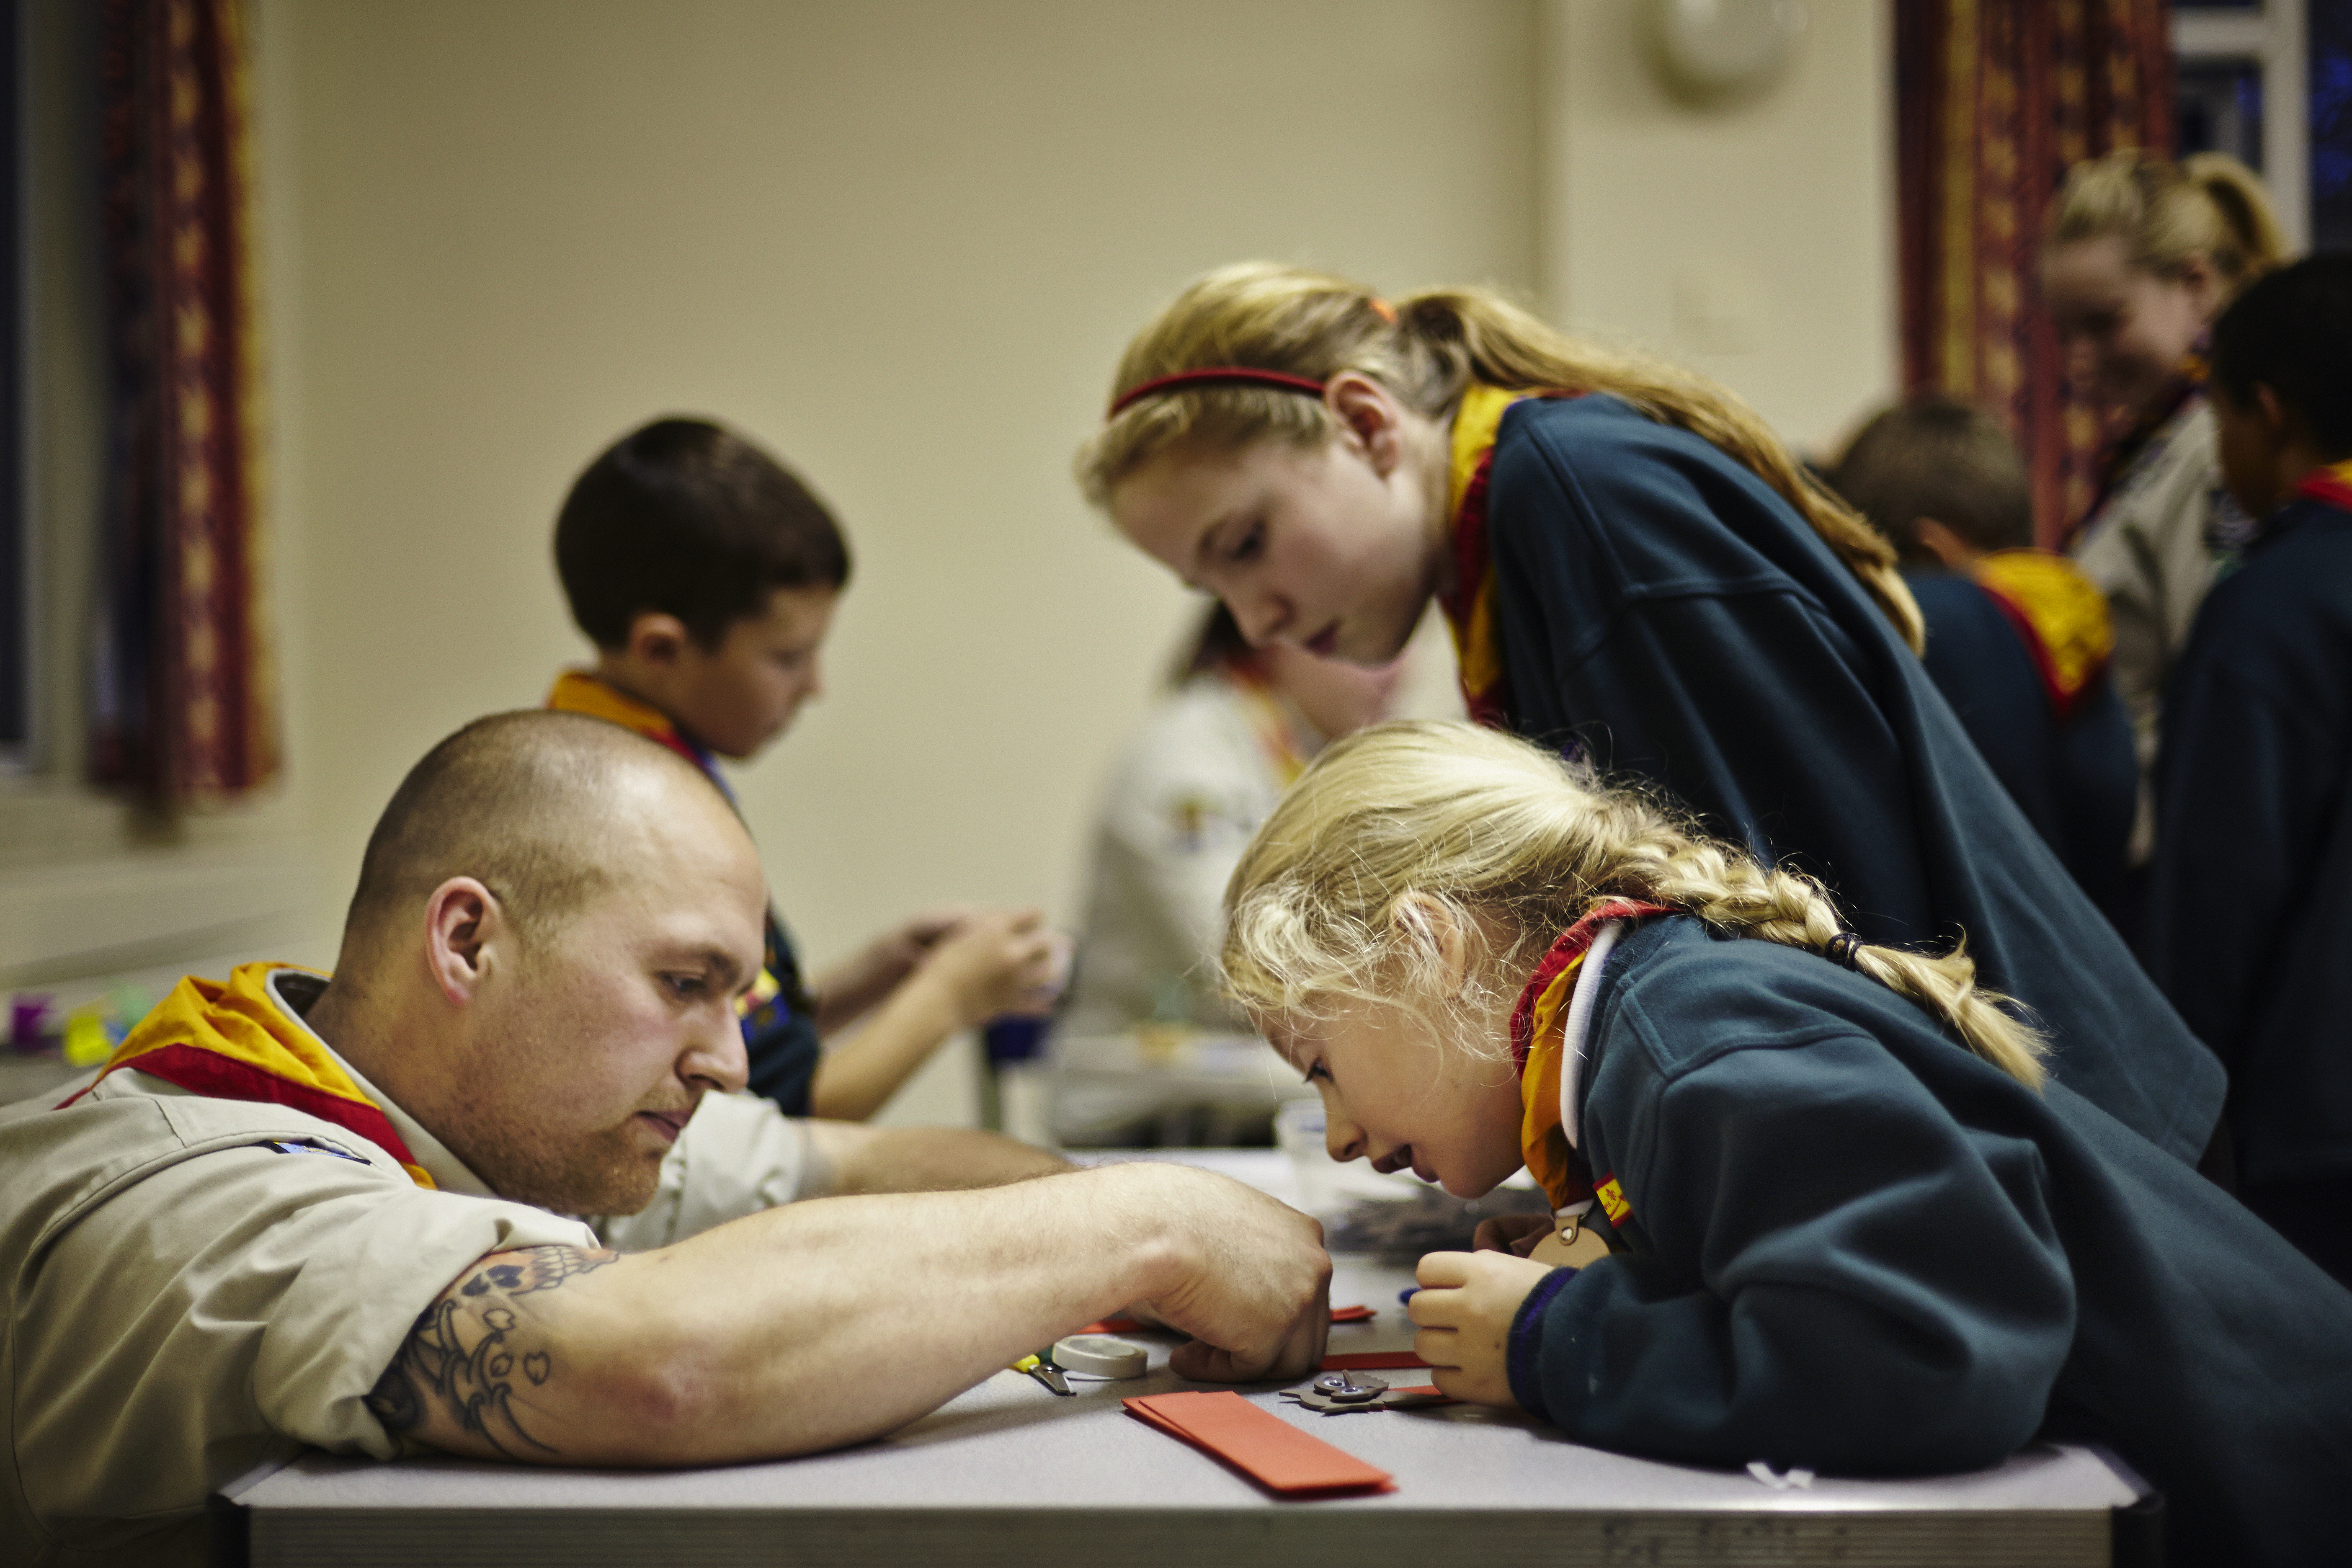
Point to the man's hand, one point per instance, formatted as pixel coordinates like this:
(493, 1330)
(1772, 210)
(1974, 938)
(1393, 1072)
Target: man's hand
(1251, 1284)
(1464, 1309)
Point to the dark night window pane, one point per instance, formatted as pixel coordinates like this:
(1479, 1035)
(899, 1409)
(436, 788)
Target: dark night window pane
(2217, 107)
(2330, 45)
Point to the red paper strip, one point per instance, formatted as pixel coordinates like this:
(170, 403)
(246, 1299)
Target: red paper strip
(1116, 1326)
(1352, 1314)
(1258, 1443)
(1371, 1361)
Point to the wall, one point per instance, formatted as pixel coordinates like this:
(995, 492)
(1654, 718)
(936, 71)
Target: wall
(1753, 241)
(902, 243)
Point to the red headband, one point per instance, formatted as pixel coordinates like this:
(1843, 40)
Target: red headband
(1226, 374)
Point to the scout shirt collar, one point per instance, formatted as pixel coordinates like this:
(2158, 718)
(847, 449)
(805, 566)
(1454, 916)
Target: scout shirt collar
(296, 991)
(1548, 1028)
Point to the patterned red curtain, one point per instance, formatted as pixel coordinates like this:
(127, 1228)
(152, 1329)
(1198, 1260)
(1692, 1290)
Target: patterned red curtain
(1994, 99)
(183, 705)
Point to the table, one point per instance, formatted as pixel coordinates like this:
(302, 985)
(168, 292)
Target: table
(1008, 1473)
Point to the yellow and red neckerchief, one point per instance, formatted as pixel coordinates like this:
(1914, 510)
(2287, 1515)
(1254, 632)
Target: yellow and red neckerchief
(584, 692)
(2061, 615)
(1470, 605)
(233, 1041)
(2331, 486)
(1270, 721)
(1537, 1044)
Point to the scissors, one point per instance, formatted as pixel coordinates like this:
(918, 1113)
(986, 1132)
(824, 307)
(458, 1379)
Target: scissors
(1039, 1364)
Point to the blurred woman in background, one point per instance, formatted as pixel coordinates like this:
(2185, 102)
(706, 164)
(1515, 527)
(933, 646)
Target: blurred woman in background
(2142, 255)
(1208, 765)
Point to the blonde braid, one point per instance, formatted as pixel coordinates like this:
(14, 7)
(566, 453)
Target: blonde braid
(1517, 845)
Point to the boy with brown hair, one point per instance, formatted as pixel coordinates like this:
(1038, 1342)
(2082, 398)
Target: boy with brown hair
(706, 574)
(2018, 639)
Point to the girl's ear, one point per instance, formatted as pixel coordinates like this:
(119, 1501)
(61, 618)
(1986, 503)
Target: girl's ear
(1434, 923)
(1371, 415)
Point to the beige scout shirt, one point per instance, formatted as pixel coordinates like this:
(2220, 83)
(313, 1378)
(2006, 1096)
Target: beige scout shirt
(187, 1302)
(2150, 552)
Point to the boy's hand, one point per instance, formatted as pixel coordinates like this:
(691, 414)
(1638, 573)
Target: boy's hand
(1464, 1309)
(998, 962)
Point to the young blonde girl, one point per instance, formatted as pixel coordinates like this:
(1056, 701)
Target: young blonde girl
(2142, 255)
(1853, 1224)
(1632, 565)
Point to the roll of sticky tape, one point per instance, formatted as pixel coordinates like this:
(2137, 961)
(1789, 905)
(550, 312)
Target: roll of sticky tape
(1099, 1355)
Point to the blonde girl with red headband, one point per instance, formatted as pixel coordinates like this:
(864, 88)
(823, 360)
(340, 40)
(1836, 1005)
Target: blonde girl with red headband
(1633, 566)
(2142, 255)
(1851, 1223)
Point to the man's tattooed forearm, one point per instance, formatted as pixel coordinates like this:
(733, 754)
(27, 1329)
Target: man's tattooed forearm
(458, 1357)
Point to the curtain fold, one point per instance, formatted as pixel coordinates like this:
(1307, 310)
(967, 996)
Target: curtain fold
(182, 704)
(1994, 99)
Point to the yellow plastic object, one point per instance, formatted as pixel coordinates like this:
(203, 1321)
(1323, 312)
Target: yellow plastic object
(85, 1042)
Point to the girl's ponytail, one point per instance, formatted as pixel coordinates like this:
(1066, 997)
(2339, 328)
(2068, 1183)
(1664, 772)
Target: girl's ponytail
(1518, 844)
(2165, 212)
(1429, 348)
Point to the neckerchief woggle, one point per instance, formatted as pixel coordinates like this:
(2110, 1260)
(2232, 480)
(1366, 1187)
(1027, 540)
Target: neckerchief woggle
(1469, 605)
(233, 1041)
(1539, 1031)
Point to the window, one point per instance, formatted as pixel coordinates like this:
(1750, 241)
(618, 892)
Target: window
(2240, 87)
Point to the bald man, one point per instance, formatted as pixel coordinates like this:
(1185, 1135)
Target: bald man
(294, 1209)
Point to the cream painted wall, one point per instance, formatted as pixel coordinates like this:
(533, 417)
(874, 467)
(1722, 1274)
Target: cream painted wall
(902, 243)
(1755, 242)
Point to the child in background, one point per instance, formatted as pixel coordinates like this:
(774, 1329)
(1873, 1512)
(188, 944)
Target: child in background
(707, 576)
(2142, 253)
(1202, 773)
(1632, 564)
(2018, 638)
(2250, 931)
(1852, 1224)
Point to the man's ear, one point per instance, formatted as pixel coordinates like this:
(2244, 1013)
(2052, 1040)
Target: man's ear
(1371, 415)
(656, 638)
(462, 919)
(1436, 926)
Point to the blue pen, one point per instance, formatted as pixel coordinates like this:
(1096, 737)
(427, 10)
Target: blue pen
(1405, 1295)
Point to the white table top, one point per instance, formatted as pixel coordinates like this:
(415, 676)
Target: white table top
(1009, 1472)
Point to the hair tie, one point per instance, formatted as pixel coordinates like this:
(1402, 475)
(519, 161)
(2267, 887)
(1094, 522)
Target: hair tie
(1383, 309)
(1843, 947)
(1222, 375)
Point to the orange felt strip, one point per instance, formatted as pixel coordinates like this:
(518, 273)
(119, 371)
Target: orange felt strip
(1351, 1314)
(1371, 1361)
(1259, 1444)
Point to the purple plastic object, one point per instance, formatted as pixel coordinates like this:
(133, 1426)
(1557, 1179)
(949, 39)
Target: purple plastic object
(27, 1013)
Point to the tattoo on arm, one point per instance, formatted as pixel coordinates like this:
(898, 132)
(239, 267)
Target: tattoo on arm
(459, 1361)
